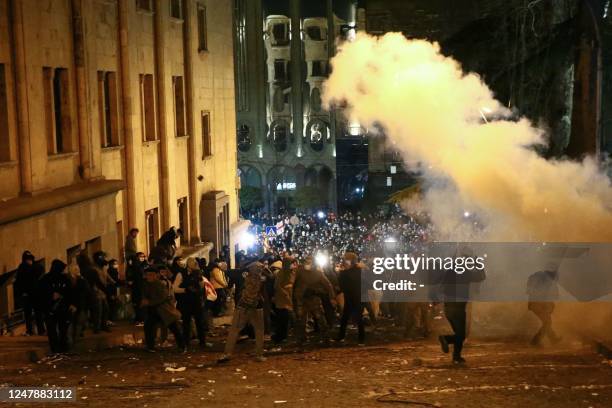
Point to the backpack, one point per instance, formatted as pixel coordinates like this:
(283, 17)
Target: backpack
(250, 295)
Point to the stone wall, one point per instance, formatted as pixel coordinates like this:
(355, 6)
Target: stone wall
(89, 38)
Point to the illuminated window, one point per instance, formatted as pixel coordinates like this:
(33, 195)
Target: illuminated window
(244, 138)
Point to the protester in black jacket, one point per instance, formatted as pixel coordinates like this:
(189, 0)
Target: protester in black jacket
(192, 304)
(112, 289)
(349, 281)
(55, 291)
(97, 306)
(26, 286)
(135, 281)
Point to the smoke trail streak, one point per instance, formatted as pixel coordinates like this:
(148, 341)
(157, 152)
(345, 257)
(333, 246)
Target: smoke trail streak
(433, 111)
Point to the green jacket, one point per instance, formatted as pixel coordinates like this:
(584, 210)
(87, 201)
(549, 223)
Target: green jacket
(160, 301)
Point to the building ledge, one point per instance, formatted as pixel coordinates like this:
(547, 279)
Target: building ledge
(28, 206)
(61, 156)
(240, 226)
(106, 149)
(12, 163)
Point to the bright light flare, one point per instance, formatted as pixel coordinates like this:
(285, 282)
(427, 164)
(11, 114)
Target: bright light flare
(247, 240)
(321, 259)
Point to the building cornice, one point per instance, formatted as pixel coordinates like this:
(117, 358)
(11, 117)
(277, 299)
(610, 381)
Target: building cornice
(30, 205)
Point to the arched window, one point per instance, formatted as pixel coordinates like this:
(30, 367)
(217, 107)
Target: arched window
(280, 136)
(317, 133)
(244, 138)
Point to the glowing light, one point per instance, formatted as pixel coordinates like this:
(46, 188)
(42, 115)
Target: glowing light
(321, 215)
(247, 240)
(390, 240)
(466, 214)
(321, 259)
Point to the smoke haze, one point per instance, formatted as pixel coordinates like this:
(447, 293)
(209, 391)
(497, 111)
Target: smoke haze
(433, 113)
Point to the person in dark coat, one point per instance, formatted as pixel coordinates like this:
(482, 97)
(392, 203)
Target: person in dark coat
(543, 291)
(98, 307)
(135, 282)
(283, 298)
(112, 289)
(456, 287)
(192, 304)
(310, 287)
(248, 311)
(160, 310)
(349, 281)
(26, 286)
(55, 292)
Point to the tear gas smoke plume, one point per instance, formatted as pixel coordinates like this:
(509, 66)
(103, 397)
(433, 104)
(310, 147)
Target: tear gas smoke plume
(433, 113)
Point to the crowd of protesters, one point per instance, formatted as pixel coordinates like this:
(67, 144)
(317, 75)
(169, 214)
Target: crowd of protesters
(301, 279)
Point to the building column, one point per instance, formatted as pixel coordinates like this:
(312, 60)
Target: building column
(21, 96)
(192, 159)
(160, 81)
(295, 13)
(83, 113)
(127, 104)
(331, 51)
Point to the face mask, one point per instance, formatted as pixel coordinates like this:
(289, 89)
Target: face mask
(308, 267)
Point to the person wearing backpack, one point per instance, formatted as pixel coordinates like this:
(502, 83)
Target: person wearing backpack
(192, 289)
(248, 311)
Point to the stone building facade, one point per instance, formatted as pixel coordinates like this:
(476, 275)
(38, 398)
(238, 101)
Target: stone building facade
(286, 139)
(115, 114)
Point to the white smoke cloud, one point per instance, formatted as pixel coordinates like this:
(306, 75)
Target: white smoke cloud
(433, 112)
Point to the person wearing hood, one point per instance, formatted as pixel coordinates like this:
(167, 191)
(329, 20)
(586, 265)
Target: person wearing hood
(26, 285)
(112, 289)
(311, 286)
(283, 298)
(349, 281)
(190, 286)
(160, 310)
(219, 281)
(135, 282)
(542, 292)
(55, 292)
(101, 315)
(248, 311)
